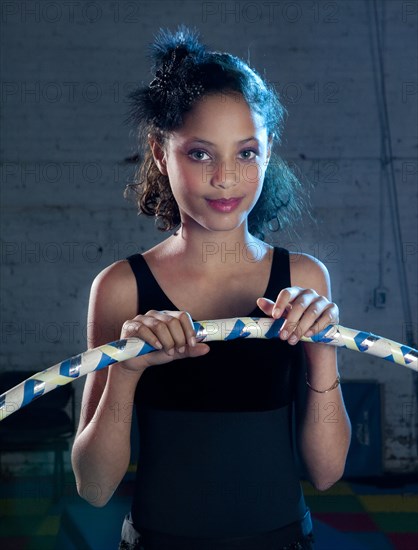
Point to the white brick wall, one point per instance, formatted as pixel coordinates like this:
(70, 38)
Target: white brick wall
(64, 217)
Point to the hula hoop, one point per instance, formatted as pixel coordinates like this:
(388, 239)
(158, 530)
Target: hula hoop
(206, 331)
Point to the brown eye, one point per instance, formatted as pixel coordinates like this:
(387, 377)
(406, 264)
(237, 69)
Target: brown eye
(249, 151)
(197, 151)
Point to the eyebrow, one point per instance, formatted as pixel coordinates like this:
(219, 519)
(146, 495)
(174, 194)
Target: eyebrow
(210, 143)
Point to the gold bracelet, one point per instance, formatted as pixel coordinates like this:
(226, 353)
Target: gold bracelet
(335, 385)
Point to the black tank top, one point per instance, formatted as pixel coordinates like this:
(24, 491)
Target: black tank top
(215, 432)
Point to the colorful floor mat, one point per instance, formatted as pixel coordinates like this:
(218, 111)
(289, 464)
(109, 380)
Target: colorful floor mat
(349, 516)
(353, 515)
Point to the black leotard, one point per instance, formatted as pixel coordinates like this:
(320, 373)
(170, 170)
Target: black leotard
(215, 449)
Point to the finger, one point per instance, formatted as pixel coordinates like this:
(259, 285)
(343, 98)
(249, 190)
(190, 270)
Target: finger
(329, 316)
(285, 296)
(196, 351)
(180, 325)
(138, 329)
(187, 323)
(309, 317)
(159, 357)
(154, 358)
(265, 305)
(172, 329)
(147, 327)
(298, 308)
(188, 327)
(157, 322)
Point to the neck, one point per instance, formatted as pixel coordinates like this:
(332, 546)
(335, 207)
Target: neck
(215, 250)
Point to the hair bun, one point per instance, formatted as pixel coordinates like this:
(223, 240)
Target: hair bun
(185, 41)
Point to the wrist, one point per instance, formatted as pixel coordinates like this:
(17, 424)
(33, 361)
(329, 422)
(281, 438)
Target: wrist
(325, 389)
(322, 378)
(124, 377)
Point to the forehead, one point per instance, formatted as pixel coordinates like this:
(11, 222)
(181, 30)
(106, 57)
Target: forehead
(214, 115)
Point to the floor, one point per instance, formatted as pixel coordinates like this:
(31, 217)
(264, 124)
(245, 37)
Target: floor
(349, 516)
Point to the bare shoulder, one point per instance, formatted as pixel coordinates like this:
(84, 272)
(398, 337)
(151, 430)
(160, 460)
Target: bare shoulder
(307, 271)
(113, 300)
(117, 275)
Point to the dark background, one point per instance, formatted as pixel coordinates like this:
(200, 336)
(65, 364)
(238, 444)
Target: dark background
(66, 68)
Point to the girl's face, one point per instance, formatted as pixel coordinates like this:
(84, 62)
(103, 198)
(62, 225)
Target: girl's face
(216, 162)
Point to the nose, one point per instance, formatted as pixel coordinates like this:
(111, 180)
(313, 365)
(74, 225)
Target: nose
(225, 175)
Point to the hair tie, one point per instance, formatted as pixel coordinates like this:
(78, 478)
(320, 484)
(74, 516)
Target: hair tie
(173, 80)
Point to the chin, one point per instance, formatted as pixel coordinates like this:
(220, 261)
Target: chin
(223, 225)
(216, 222)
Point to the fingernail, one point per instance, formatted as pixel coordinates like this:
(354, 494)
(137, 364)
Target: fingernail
(192, 341)
(309, 333)
(284, 334)
(293, 339)
(158, 345)
(276, 313)
(181, 350)
(170, 351)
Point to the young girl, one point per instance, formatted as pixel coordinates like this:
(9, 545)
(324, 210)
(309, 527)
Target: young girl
(216, 467)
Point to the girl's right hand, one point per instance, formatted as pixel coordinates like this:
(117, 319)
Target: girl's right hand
(170, 331)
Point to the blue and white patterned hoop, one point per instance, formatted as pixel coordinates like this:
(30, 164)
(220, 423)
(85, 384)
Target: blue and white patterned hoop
(206, 331)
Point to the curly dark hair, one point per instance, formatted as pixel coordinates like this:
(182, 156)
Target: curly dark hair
(185, 70)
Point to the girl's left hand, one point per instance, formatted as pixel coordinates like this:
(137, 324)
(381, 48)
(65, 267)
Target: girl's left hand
(306, 312)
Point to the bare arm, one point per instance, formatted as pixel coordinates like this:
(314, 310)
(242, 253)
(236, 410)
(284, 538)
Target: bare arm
(324, 432)
(323, 426)
(101, 450)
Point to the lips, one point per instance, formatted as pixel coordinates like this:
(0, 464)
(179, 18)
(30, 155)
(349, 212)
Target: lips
(223, 204)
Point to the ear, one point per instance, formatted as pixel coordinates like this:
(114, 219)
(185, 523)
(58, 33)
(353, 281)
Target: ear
(158, 153)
